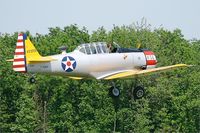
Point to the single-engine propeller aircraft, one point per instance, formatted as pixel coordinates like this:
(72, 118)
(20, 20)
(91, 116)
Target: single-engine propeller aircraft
(90, 60)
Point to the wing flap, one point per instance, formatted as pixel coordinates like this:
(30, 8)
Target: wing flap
(131, 73)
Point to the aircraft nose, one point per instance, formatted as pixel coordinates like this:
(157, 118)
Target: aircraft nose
(150, 58)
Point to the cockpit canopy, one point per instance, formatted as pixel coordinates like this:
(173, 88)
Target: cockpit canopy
(103, 47)
(93, 48)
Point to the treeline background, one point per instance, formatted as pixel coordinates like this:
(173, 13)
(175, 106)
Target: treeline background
(60, 104)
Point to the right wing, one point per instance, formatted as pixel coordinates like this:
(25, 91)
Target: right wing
(131, 73)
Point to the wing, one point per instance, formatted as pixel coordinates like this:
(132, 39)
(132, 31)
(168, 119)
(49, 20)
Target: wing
(131, 73)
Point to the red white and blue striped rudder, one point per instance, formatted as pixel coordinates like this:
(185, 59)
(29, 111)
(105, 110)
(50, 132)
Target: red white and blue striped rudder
(19, 63)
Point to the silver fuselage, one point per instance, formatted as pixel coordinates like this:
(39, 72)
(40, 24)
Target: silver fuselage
(91, 66)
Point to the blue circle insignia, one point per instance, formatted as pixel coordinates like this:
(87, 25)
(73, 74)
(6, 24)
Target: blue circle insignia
(68, 63)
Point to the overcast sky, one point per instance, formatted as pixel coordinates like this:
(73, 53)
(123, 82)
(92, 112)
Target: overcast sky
(39, 15)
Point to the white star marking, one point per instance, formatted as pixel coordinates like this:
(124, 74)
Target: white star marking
(68, 63)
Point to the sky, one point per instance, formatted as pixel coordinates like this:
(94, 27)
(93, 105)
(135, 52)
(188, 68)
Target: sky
(37, 16)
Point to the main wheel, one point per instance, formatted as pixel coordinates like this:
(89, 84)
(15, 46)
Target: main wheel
(115, 92)
(138, 92)
(32, 80)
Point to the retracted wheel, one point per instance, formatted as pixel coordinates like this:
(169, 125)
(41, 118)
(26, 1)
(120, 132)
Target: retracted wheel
(115, 92)
(138, 92)
(32, 80)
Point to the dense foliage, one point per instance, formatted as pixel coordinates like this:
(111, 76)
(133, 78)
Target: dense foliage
(59, 104)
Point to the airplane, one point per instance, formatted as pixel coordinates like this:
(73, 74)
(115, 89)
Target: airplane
(97, 60)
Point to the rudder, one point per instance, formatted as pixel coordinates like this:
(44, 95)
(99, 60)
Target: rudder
(19, 62)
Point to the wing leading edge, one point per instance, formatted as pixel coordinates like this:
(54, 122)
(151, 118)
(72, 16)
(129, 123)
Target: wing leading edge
(131, 73)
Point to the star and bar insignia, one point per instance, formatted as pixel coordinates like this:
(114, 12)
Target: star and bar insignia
(68, 63)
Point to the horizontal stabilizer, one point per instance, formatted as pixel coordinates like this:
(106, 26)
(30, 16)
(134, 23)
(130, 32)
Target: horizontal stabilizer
(76, 78)
(40, 60)
(10, 60)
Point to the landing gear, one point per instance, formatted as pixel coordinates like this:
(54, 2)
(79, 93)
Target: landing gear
(114, 92)
(138, 92)
(32, 80)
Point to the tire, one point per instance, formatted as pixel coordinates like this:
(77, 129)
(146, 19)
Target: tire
(138, 92)
(32, 80)
(114, 92)
(144, 67)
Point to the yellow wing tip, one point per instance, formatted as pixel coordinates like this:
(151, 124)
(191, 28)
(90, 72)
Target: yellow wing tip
(183, 65)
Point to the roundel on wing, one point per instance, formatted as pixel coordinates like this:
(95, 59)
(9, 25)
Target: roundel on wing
(68, 63)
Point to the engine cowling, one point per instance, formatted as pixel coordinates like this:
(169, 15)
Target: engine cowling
(150, 59)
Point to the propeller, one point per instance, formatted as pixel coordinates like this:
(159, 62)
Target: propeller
(138, 45)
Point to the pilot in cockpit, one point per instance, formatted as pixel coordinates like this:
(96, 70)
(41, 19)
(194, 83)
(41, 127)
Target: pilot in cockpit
(112, 48)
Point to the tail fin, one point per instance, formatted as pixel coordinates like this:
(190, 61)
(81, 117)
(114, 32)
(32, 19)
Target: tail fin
(31, 51)
(24, 51)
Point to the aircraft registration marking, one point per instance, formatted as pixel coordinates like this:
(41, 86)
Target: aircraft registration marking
(31, 51)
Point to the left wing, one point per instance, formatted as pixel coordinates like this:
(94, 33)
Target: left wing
(130, 73)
